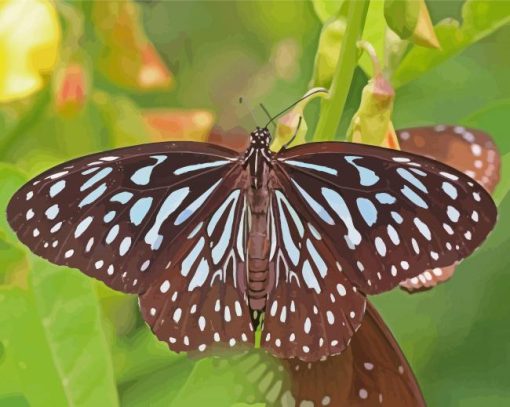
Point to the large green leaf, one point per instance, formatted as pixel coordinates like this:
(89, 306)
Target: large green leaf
(54, 352)
(480, 18)
(68, 309)
(160, 387)
(141, 354)
(26, 366)
(464, 84)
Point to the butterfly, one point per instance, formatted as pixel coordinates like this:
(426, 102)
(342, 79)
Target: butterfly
(211, 239)
(468, 150)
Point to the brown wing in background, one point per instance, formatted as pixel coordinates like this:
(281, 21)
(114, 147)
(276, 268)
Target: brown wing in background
(372, 371)
(468, 150)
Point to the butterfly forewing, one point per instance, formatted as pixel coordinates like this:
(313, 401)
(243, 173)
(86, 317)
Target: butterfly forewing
(468, 150)
(391, 215)
(312, 308)
(115, 215)
(200, 298)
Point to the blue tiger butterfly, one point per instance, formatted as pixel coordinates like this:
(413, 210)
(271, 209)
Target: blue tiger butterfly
(211, 239)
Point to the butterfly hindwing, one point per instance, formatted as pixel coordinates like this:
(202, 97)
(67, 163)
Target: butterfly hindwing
(468, 150)
(390, 214)
(200, 298)
(312, 309)
(115, 215)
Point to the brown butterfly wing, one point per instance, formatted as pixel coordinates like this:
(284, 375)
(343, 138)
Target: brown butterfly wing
(468, 150)
(372, 371)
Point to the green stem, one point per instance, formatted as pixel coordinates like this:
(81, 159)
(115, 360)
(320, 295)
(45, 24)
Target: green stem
(332, 109)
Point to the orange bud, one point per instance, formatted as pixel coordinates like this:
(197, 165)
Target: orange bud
(127, 57)
(391, 140)
(424, 33)
(178, 124)
(71, 90)
(153, 72)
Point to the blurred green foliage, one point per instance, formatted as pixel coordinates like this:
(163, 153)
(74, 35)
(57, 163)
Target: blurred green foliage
(68, 340)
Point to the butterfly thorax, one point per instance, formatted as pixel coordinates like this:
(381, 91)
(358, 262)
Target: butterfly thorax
(258, 156)
(258, 161)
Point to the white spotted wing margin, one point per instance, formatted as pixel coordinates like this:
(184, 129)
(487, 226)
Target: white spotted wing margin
(120, 216)
(391, 215)
(200, 301)
(312, 309)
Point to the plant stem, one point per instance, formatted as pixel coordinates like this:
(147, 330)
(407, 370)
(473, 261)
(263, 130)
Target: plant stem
(332, 109)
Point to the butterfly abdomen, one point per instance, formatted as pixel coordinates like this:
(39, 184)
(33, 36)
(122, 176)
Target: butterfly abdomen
(258, 244)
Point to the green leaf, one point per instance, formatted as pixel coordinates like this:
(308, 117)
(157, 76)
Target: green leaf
(327, 9)
(460, 86)
(26, 366)
(140, 355)
(494, 120)
(158, 388)
(68, 309)
(252, 377)
(10, 180)
(402, 16)
(14, 262)
(480, 18)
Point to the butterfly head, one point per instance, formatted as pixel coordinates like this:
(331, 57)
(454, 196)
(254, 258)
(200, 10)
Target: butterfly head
(260, 138)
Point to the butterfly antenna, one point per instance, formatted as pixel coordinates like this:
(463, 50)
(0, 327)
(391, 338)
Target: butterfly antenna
(267, 113)
(294, 104)
(295, 134)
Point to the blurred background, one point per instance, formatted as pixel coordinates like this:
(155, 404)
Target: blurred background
(79, 77)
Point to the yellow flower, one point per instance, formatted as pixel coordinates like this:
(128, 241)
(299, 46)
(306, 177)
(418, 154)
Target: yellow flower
(29, 42)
